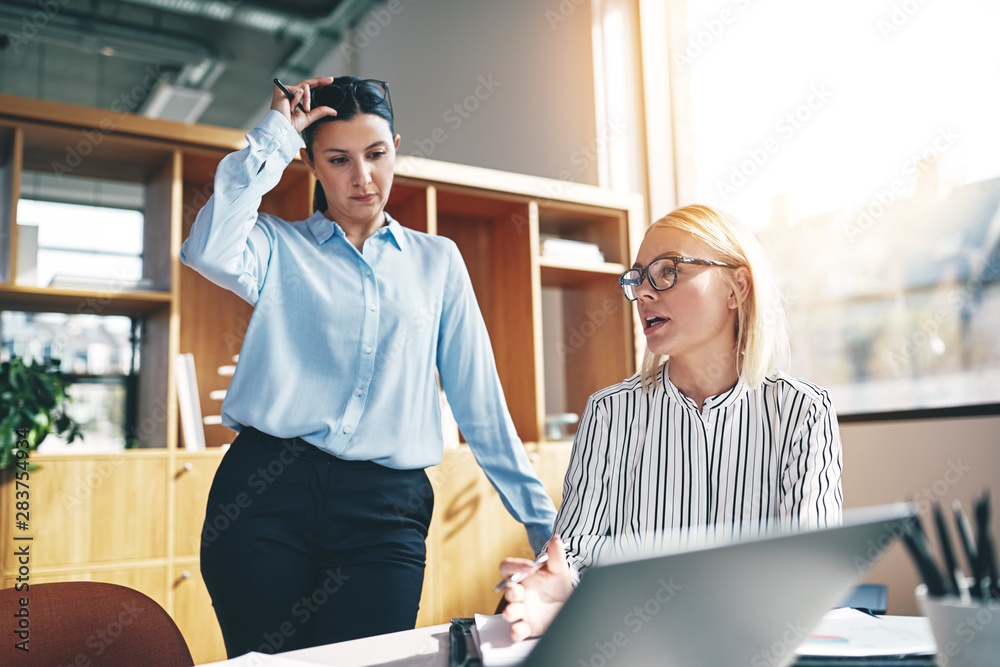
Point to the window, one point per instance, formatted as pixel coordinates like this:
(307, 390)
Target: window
(85, 234)
(859, 138)
(99, 357)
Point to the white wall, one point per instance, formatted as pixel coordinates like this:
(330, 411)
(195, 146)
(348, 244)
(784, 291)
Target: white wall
(520, 71)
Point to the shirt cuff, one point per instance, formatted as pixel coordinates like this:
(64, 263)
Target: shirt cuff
(277, 126)
(574, 574)
(538, 536)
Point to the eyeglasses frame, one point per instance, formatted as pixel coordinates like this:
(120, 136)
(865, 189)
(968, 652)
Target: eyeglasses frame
(644, 272)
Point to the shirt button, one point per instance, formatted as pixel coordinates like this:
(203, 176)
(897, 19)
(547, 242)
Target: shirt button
(368, 273)
(347, 429)
(371, 307)
(359, 392)
(284, 132)
(368, 349)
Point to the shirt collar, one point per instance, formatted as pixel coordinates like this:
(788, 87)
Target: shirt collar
(323, 229)
(719, 401)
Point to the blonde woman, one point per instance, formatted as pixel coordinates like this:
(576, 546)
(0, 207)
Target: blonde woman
(710, 433)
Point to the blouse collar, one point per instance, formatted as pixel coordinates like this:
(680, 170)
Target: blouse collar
(717, 402)
(323, 229)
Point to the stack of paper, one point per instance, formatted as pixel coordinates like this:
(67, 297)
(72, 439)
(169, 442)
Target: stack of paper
(115, 284)
(567, 249)
(849, 633)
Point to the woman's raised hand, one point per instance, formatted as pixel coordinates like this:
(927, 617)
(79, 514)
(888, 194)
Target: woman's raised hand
(301, 118)
(533, 603)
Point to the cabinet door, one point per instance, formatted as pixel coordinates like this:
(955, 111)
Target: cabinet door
(193, 479)
(194, 615)
(94, 509)
(148, 580)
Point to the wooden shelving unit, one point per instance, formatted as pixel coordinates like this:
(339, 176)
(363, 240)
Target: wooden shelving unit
(558, 328)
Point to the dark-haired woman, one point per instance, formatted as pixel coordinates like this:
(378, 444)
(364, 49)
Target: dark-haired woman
(318, 513)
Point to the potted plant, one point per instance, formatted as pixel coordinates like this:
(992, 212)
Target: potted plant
(33, 403)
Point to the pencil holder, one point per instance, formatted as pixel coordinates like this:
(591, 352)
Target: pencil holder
(967, 632)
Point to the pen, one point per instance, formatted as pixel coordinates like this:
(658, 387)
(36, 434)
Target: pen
(987, 560)
(914, 540)
(969, 544)
(950, 580)
(518, 577)
(289, 94)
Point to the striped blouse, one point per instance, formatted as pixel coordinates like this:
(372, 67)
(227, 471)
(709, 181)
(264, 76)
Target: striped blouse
(650, 463)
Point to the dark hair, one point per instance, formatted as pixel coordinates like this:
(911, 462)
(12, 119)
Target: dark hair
(348, 108)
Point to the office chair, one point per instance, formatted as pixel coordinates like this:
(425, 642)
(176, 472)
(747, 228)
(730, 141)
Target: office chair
(88, 623)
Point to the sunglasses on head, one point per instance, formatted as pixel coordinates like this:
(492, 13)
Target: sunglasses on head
(368, 92)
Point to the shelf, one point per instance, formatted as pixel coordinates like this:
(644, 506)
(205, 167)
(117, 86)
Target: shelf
(605, 228)
(564, 273)
(125, 124)
(413, 205)
(559, 327)
(98, 302)
(95, 153)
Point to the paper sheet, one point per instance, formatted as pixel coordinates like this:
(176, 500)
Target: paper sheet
(493, 635)
(852, 633)
(254, 659)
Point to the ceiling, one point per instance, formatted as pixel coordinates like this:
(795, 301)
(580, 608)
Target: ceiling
(205, 61)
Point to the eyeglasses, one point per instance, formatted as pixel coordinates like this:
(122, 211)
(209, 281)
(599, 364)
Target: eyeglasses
(368, 92)
(662, 274)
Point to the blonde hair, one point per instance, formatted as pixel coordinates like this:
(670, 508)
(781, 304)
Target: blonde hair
(761, 325)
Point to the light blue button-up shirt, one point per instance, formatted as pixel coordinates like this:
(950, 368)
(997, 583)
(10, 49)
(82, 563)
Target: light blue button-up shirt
(343, 346)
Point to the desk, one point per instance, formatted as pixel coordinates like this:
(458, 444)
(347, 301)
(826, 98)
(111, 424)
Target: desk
(423, 647)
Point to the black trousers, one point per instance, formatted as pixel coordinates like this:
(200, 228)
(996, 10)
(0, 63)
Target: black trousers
(300, 548)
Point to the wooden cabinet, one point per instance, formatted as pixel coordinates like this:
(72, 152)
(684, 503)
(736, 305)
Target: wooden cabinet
(192, 610)
(192, 479)
(559, 327)
(131, 518)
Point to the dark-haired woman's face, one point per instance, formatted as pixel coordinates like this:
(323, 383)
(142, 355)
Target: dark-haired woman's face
(353, 160)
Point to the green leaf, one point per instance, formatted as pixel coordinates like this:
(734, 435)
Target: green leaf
(48, 389)
(8, 437)
(62, 422)
(17, 378)
(42, 420)
(33, 397)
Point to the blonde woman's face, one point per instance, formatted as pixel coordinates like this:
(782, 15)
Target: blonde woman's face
(696, 316)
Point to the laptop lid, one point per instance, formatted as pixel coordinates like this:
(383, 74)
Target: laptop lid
(747, 602)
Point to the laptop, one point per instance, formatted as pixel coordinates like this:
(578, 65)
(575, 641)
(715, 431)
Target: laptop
(748, 602)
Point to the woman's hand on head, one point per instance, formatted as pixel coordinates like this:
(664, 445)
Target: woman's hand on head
(299, 119)
(533, 603)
